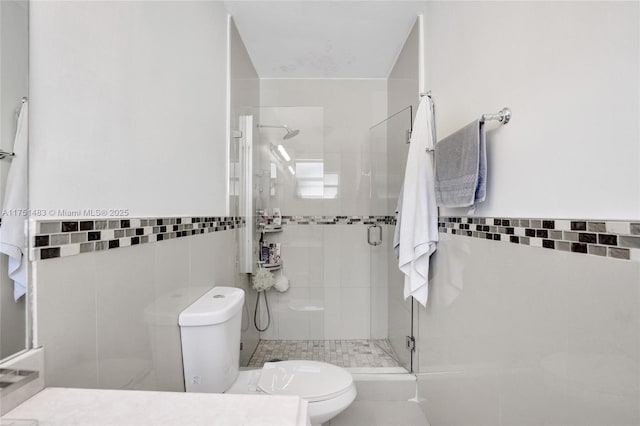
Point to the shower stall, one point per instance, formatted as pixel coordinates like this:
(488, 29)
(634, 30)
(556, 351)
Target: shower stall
(336, 187)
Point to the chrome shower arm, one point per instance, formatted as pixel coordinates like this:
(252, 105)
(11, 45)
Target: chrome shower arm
(271, 126)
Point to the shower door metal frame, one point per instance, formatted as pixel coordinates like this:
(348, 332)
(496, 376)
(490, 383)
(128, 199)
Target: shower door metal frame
(410, 340)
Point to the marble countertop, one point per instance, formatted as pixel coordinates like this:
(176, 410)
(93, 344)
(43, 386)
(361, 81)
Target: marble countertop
(98, 407)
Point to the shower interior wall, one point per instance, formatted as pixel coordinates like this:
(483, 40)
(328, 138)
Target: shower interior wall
(329, 266)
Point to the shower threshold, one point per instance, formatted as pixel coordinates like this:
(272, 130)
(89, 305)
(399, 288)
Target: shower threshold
(359, 356)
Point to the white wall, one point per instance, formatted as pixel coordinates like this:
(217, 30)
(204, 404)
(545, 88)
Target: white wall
(569, 72)
(402, 91)
(523, 335)
(129, 111)
(129, 107)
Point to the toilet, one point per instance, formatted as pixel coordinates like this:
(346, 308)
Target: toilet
(210, 335)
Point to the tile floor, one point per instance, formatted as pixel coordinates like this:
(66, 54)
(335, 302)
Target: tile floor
(343, 353)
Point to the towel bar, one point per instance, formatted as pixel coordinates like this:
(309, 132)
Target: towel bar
(503, 116)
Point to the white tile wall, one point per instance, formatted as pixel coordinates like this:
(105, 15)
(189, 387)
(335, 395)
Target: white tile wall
(333, 255)
(519, 335)
(302, 255)
(201, 252)
(334, 164)
(330, 270)
(399, 309)
(171, 265)
(123, 356)
(329, 265)
(334, 117)
(380, 268)
(109, 319)
(355, 259)
(66, 292)
(355, 303)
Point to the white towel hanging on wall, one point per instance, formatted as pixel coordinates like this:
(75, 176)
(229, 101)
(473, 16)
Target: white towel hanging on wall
(417, 218)
(13, 230)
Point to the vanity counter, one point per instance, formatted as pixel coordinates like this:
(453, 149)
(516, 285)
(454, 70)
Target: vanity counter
(99, 407)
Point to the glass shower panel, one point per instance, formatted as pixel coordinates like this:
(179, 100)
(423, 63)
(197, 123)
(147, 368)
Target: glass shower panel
(391, 315)
(292, 178)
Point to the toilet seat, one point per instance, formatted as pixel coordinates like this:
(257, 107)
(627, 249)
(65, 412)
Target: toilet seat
(313, 381)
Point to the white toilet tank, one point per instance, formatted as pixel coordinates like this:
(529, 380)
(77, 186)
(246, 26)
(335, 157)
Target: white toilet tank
(210, 335)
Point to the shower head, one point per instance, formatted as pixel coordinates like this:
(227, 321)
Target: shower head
(291, 133)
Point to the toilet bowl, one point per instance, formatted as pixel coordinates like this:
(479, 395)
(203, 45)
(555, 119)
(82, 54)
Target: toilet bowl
(328, 389)
(210, 335)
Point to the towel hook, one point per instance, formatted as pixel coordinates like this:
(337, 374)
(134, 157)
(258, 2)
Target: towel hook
(4, 154)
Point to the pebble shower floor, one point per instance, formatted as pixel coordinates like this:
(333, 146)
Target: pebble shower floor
(343, 353)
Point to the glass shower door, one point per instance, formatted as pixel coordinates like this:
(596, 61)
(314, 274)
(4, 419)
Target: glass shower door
(391, 315)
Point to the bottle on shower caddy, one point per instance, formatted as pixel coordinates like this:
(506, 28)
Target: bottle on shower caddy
(269, 253)
(276, 254)
(264, 254)
(277, 217)
(261, 246)
(261, 219)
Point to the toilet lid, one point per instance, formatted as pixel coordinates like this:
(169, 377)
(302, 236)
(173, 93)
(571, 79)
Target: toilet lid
(311, 380)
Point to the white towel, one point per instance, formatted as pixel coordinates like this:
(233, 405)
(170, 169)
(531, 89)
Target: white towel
(13, 235)
(418, 214)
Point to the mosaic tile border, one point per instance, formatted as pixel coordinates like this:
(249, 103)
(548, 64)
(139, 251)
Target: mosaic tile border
(337, 220)
(68, 237)
(613, 239)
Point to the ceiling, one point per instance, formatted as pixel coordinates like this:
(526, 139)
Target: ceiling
(324, 39)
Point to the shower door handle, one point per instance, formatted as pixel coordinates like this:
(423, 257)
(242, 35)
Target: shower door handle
(370, 240)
